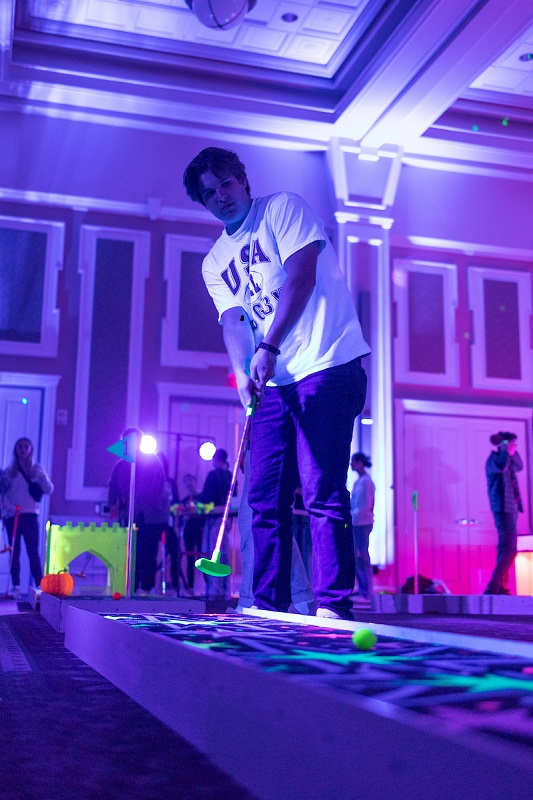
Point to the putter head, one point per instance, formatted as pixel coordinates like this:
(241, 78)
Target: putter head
(212, 566)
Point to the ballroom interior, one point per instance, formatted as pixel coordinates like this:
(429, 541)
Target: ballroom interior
(407, 125)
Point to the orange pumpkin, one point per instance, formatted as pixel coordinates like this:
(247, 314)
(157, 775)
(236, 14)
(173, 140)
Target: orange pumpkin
(58, 583)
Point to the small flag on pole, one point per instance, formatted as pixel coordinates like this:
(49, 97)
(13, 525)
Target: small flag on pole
(125, 448)
(414, 500)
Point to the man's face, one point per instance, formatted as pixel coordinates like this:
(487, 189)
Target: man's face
(226, 198)
(511, 447)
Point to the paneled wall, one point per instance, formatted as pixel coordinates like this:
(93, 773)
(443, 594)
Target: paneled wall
(438, 274)
(118, 307)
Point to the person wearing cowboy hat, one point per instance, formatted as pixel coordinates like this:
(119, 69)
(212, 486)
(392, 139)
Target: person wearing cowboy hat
(504, 497)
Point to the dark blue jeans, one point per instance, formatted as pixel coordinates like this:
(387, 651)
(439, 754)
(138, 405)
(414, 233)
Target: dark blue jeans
(507, 535)
(305, 429)
(363, 566)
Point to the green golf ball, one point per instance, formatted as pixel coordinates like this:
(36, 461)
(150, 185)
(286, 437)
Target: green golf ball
(364, 638)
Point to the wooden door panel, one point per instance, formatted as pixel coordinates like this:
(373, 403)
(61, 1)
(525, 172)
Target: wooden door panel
(434, 467)
(193, 422)
(20, 415)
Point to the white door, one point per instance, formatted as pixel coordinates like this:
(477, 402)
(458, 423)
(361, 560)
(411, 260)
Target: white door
(193, 422)
(21, 411)
(442, 457)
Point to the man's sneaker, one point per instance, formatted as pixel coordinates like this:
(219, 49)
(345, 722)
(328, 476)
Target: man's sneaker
(328, 613)
(242, 609)
(16, 593)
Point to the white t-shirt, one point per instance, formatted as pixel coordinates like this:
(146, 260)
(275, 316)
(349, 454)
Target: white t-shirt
(245, 270)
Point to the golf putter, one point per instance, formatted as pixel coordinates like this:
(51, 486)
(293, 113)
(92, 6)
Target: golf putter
(212, 566)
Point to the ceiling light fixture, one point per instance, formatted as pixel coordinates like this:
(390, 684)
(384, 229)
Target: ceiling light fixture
(220, 14)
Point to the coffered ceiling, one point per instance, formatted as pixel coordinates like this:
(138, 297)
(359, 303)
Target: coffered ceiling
(384, 73)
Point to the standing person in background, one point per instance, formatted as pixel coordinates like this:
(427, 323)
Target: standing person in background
(294, 340)
(23, 474)
(216, 489)
(362, 506)
(505, 502)
(171, 538)
(218, 481)
(151, 509)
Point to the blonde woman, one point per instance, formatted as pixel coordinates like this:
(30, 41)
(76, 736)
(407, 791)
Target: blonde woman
(27, 482)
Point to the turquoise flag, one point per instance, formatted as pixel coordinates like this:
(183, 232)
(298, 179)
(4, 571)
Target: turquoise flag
(125, 448)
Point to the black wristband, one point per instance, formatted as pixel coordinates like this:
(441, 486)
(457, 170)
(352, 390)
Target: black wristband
(269, 347)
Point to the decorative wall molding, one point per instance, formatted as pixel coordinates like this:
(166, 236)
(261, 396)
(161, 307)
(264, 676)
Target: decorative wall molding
(171, 354)
(364, 177)
(401, 271)
(50, 316)
(470, 158)
(470, 249)
(364, 248)
(75, 488)
(118, 207)
(197, 391)
(476, 301)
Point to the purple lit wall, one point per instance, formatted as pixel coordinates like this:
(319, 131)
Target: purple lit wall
(130, 179)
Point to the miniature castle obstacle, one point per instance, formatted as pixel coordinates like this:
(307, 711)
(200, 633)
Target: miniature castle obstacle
(66, 542)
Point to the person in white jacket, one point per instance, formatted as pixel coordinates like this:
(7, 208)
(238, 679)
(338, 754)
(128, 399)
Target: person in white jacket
(21, 507)
(362, 506)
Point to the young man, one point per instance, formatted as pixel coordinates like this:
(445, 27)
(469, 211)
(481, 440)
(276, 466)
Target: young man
(504, 497)
(294, 340)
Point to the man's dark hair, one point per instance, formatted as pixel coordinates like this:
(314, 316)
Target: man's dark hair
(221, 455)
(218, 161)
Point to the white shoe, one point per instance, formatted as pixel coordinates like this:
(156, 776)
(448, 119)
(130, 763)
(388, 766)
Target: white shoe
(242, 609)
(16, 593)
(328, 613)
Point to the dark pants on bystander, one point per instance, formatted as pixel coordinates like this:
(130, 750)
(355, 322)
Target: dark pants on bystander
(27, 529)
(148, 537)
(305, 427)
(507, 535)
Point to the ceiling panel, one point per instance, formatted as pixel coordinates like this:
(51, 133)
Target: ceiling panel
(311, 36)
(380, 72)
(512, 72)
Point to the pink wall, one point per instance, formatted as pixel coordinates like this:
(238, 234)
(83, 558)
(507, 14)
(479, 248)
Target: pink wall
(117, 165)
